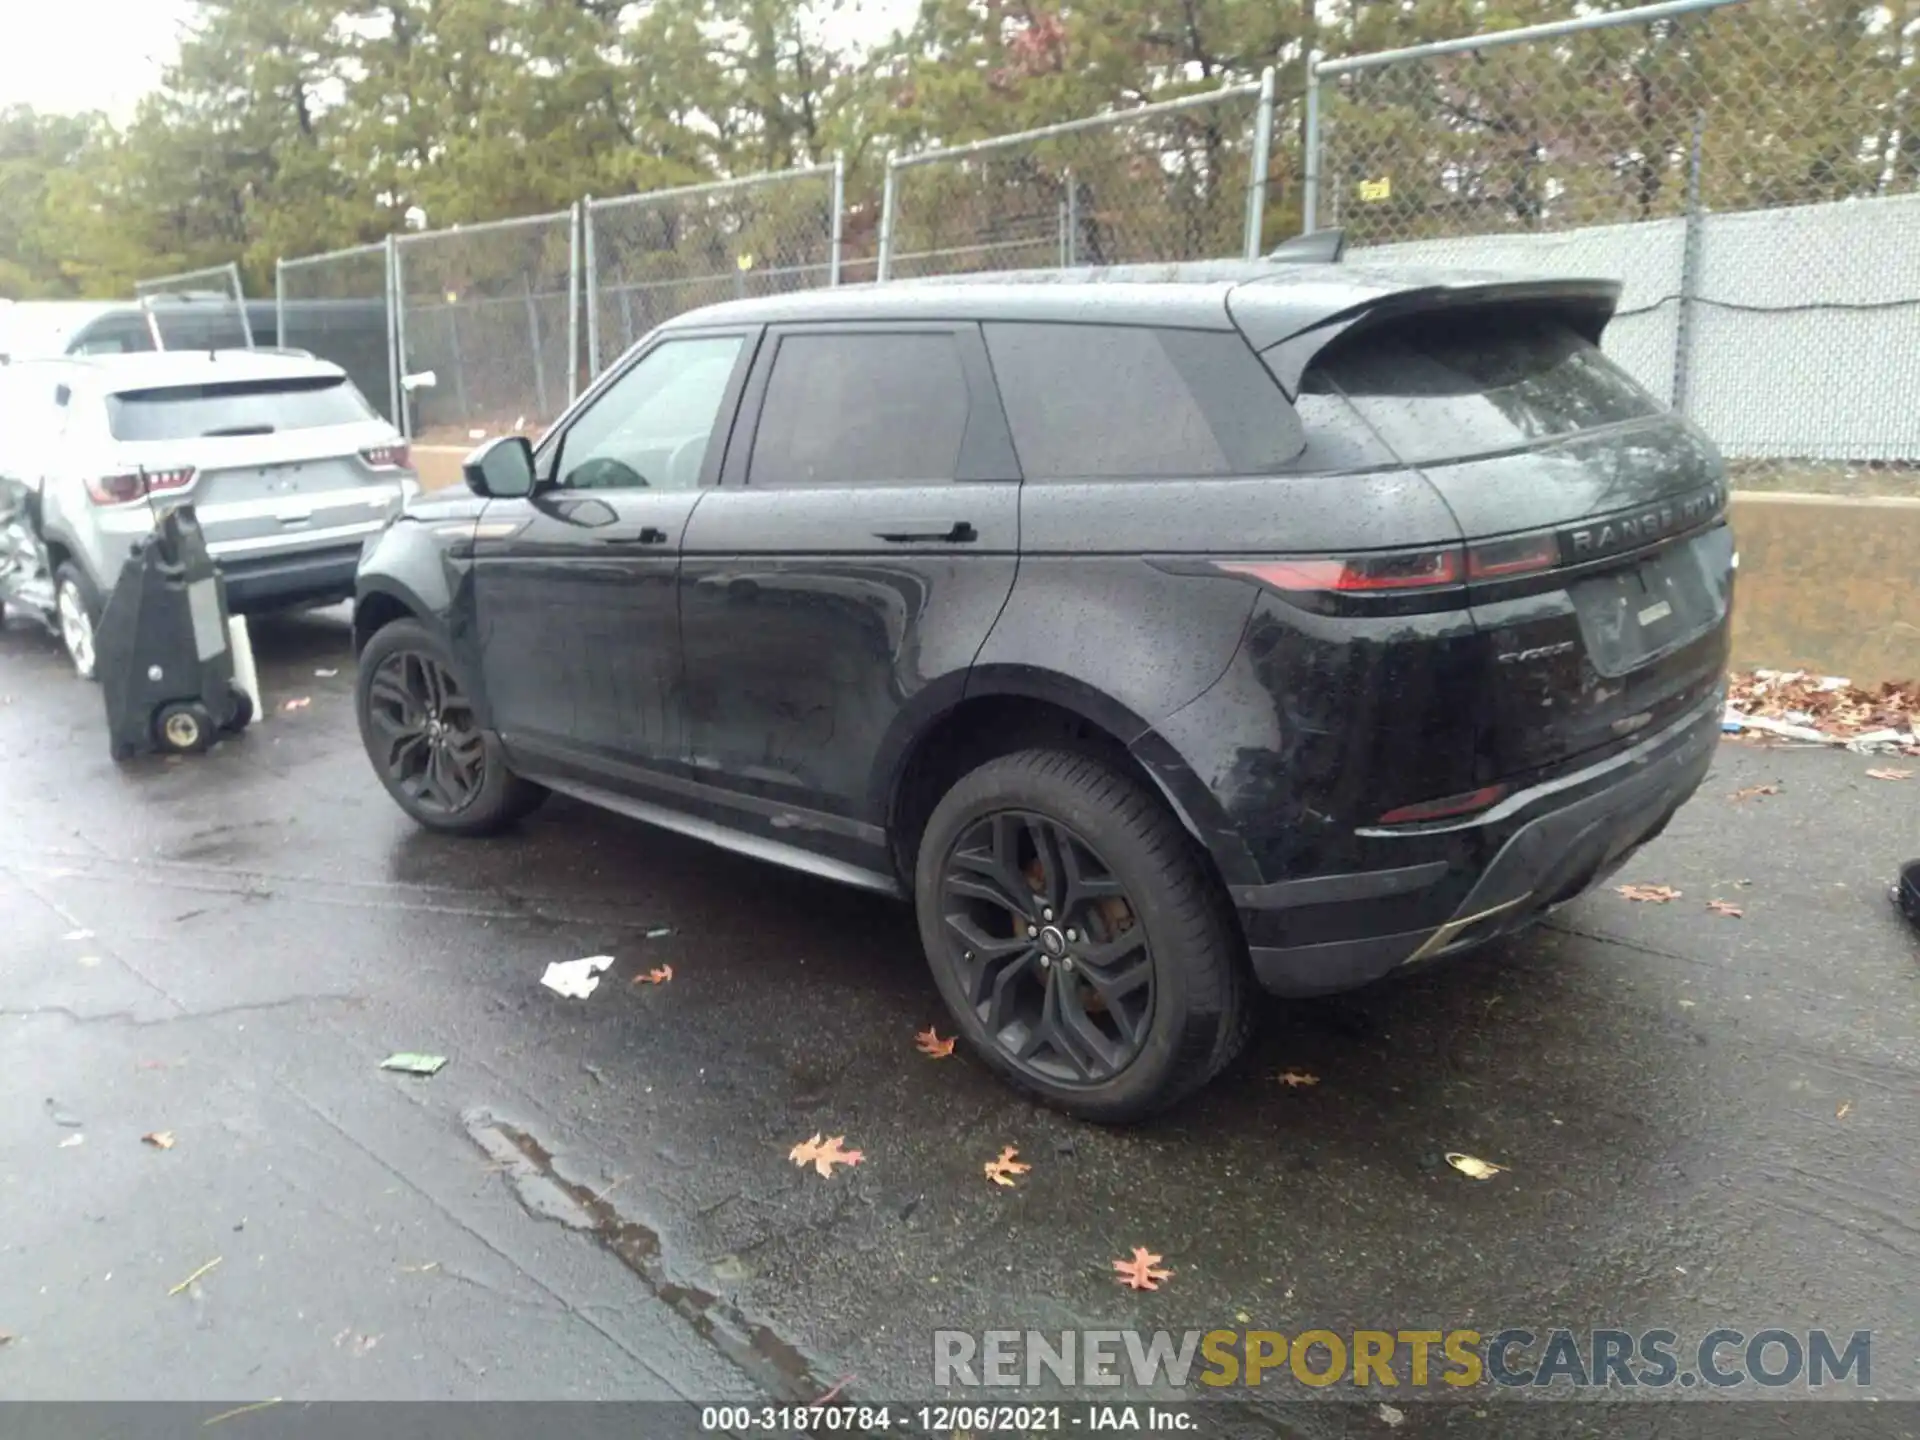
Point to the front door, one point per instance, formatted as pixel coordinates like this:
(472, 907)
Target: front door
(577, 616)
(860, 546)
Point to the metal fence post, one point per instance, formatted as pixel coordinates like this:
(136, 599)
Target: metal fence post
(240, 302)
(573, 306)
(280, 301)
(400, 337)
(884, 264)
(1689, 266)
(1073, 220)
(1310, 151)
(395, 396)
(838, 223)
(592, 289)
(1262, 146)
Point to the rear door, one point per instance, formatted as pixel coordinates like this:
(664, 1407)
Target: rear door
(1599, 560)
(862, 542)
(273, 465)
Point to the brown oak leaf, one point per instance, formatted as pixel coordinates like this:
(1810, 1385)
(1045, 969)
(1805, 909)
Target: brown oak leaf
(159, 1139)
(1296, 1078)
(1890, 774)
(1138, 1273)
(659, 975)
(1002, 1169)
(929, 1043)
(823, 1155)
(1724, 907)
(1753, 790)
(1657, 894)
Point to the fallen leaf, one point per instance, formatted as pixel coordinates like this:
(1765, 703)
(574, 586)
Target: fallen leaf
(159, 1139)
(196, 1275)
(409, 1063)
(823, 1155)
(302, 703)
(1658, 894)
(1297, 1078)
(1472, 1166)
(1890, 774)
(1391, 1416)
(1002, 1170)
(1138, 1273)
(929, 1043)
(1841, 1113)
(1753, 790)
(659, 975)
(73, 1141)
(6, 1337)
(1724, 907)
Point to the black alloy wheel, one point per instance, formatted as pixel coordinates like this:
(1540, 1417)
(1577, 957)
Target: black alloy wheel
(1046, 946)
(422, 731)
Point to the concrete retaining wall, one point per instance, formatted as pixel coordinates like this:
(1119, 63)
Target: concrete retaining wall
(1827, 583)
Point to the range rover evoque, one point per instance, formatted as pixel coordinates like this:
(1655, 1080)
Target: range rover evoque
(1157, 635)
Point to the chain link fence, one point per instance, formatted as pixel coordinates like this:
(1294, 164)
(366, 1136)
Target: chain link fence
(339, 306)
(197, 309)
(652, 257)
(486, 324)
(1183, 179)
(1749, 169)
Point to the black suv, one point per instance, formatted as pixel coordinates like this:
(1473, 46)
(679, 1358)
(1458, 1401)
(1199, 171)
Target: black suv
(1154, 635)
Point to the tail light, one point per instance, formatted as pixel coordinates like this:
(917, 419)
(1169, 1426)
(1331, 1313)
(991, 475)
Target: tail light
(1446, 809)
(1415, 570)
(125, 489)
(1405, 570)
(387, 457)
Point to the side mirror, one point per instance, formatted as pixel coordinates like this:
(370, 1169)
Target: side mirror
(501, 469)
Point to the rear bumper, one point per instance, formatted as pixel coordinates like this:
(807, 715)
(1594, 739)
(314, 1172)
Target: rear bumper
(1542, 847)
(272, 582)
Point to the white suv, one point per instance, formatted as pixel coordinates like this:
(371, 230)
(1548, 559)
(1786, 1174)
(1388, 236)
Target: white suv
(286, 465)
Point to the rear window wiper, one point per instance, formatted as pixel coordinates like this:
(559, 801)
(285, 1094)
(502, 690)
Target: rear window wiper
(237, 430)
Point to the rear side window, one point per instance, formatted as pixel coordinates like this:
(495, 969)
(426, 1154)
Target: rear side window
(871, 409)
(1449, 387)
(235, 407)
(1128, 402)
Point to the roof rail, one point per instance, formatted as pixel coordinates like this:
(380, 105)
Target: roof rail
(1317, 247)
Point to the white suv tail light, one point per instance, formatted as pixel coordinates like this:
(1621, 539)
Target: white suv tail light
(138, 485)
(387, 457)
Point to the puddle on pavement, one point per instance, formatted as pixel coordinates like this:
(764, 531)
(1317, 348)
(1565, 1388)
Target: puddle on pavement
(766, 1357)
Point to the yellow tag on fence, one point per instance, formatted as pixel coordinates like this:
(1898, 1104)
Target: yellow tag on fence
(1374, 191)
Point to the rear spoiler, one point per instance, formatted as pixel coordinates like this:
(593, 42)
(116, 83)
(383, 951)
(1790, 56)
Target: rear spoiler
(1278, 322)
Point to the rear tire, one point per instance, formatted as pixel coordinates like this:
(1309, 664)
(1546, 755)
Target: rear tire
(242, 712)
(76, 617)
(420, 731)
(1086, 1015)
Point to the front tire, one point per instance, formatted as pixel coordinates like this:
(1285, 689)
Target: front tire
(1078, 936)
(425, 741)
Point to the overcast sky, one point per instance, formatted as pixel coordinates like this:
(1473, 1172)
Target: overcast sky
(86, 54)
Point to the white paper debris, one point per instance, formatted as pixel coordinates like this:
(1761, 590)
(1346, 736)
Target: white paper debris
(73, 1140)
(576, 979)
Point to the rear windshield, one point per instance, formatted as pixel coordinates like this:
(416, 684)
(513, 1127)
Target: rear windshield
(236, 407)
(1447, 387)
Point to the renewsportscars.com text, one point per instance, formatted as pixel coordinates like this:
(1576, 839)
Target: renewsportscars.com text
(1391, 1359)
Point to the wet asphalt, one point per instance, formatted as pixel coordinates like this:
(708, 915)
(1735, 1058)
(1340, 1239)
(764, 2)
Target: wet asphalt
(1708, 1121)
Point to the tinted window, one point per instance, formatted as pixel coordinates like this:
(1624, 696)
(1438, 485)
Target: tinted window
(235, 407)
(650, 428)
(1449, 387)
(1108, 401)
(861, 410)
